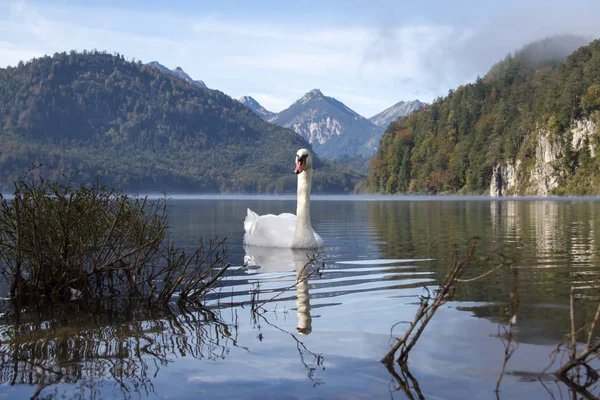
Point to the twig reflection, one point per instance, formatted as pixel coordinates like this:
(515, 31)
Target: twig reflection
(90, 350)
(404, 381)
(312, 367)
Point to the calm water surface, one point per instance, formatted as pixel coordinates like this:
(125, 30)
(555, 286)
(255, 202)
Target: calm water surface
(324, 337)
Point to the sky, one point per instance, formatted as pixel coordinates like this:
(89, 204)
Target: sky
(367, 54)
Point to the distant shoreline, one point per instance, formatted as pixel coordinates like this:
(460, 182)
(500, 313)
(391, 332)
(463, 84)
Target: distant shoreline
(374, 197)
(352, 197)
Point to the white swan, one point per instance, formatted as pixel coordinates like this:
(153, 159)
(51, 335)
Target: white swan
(287, 230)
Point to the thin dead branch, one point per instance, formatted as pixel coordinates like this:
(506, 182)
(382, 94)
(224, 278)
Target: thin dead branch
(576, 372)
(427, 308)
(508, 335)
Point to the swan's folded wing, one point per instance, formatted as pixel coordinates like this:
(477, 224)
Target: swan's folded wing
(287, 215)
(271, 231)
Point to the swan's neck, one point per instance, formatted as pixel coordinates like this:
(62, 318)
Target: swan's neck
(303, 203)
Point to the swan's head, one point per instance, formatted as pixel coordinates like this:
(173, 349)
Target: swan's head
(303, 161)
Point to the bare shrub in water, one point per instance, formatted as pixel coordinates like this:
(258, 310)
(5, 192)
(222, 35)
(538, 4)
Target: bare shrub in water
(60, 241)
(579, 369)
(578, 352)
(428, 306)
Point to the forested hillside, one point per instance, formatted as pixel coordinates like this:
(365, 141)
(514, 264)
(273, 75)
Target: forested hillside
(140, 129)
(528, 127)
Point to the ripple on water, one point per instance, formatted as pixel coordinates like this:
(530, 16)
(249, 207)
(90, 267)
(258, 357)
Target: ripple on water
(383, 261)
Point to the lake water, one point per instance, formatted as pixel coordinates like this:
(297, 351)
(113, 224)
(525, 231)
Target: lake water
(324, 337)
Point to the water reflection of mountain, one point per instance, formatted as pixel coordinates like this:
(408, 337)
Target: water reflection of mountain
(558, 250)
(71, 352)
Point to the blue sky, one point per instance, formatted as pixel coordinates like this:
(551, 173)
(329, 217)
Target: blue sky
(367, 54)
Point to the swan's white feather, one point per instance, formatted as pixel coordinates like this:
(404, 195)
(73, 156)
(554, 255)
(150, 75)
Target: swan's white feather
(250, 218)
(269, 230)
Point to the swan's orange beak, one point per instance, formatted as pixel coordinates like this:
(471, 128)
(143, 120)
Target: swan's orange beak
(300, 164)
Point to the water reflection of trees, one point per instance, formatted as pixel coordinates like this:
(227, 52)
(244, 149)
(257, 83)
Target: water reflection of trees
(112, 347)
(550, 246)
(557, 243)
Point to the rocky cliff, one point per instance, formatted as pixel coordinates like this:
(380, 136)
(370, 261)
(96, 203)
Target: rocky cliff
(528, 127)
(541, 176)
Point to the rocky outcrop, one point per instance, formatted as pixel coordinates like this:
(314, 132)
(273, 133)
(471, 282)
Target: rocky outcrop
(581, 130)
(320, 131)
(504, 179)
(544, 176)
(543, 179)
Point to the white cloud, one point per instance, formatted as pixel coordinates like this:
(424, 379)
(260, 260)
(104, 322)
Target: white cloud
(286, 34)
(300, 64)
(364, 66)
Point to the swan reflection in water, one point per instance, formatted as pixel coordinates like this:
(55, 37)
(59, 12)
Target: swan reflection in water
(303, 298)
(277, 260)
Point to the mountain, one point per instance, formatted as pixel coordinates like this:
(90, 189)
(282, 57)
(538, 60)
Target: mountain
(333, 129)
(401, 109)
(255, 106)
(178, 73)
(94, 114)
(529, 127)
